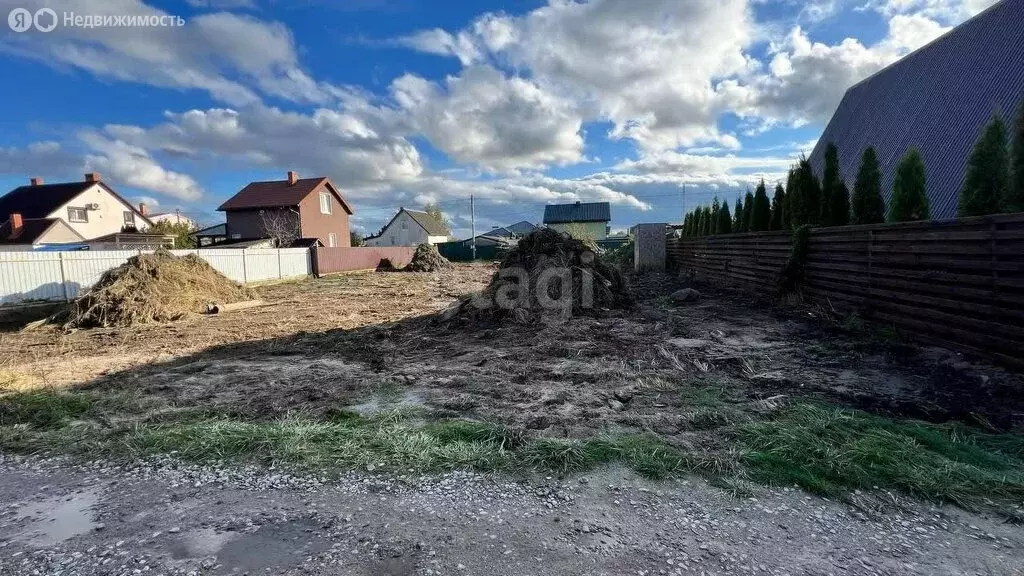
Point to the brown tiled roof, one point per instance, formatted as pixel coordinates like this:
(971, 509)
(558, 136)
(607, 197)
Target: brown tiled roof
(31, 230)
(278, 193)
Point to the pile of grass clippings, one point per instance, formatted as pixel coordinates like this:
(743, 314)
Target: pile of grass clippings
(547, 276)
(157, 287)
(426, 258)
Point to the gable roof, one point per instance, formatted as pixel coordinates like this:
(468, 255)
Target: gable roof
(522, 227)
(41, 200)
(578, 212)
(938, 99)
(278, 194)
(432, 226)
(32, 230)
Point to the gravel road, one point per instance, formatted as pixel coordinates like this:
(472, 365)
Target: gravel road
(163, 517)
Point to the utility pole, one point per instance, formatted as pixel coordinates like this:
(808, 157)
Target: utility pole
(472, 219)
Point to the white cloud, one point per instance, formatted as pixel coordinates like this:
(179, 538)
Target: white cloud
(947, 11)
(132, 166)
(499, 123)
(235, 58)
(36, 159)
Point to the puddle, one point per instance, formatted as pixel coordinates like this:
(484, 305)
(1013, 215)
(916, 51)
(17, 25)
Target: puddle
(273, 548)
(57, 518)
(378, 404)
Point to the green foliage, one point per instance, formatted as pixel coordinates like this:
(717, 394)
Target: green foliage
(805, 200)
(42, 408)
(868, 207)
(180, 231)
(987, 184)
(909, 195)
(832, 450)
(724, 219)
(1015, 200)
(829, 182)
(839, 211)
(778, 216)
(761, 213)
(355, 238)
(709, 221)
(715, 209)
(435, 211)
(787, 207)
(793, 272)
(737, 216)
(748, 212)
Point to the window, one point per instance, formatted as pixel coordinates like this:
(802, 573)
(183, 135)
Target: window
(129, 218)
(332, 240)
(78, 215)
(405, 225)
(325, 203)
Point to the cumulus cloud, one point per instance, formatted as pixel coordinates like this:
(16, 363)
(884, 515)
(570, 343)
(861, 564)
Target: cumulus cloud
(948, 11)
(235, 58)
(36, 159)
(133, 166)
(485, 118)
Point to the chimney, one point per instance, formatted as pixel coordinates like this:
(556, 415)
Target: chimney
(292, 177)
(577, 202)
(36, 181)
(92, 177)
(142, 208)
(17, 224)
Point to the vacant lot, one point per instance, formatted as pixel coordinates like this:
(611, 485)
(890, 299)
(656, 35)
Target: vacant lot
(355, 371)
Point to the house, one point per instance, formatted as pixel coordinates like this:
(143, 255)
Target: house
(175, 217)
(512, 231)
(210, 235)
(72, 212)
(287, 210)
(938, 99)
(410, 228)
(588, 218)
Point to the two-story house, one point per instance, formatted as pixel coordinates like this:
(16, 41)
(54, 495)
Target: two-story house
(288, 210)
(410, 228)
(69, 212)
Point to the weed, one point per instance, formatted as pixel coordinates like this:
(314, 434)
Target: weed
(42, 408)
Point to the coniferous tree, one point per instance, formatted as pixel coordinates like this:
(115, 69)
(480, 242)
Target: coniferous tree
(686, 225)
(987, 183)
(737, 216)
(839, 211)
(714, 216)
(806, 201)
(778, 208)
(709, 222)
(724, 219)
(761, 213)
(748, 211)
(829, 182)
(787, 206)
(868, 207)
(909, 193)
(698, 222)
(1015, 201)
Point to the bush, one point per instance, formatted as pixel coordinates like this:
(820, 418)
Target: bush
(910, 197)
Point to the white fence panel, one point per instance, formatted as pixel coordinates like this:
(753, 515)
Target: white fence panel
(27, 276)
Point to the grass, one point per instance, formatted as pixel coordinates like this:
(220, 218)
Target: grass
(824, 449)
(831, 450)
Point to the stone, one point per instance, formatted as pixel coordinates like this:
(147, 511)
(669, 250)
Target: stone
(685, 295)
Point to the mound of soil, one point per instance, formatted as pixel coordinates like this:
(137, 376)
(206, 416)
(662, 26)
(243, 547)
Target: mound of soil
(548, 275)
(426, 258)
(158, 287)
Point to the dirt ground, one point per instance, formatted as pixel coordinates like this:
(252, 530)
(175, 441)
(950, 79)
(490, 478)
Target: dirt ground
(186, 520)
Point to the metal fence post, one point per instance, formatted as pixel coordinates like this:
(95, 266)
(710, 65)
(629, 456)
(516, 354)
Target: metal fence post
(63, 277)
(245, 269)
(280, 269)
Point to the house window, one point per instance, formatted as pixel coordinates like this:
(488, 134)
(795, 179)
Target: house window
(325, 203)
(129, 218)
(332, 240)
(405, 225)
(78, 215)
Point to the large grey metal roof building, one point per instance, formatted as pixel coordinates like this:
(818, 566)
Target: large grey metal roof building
(939, 99)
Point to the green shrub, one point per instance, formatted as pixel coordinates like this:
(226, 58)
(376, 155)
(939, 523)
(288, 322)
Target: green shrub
(909, 195)
(868, 206)
(987, 183)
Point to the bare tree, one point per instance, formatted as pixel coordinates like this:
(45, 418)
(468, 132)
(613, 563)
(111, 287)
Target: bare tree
(281, 225)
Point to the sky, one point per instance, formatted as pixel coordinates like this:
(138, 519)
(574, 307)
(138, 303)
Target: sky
(655, 106)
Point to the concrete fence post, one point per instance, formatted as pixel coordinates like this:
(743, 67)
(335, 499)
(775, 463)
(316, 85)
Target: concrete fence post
(245, 269)
(649, 248)
(63, 277)
(280, 268)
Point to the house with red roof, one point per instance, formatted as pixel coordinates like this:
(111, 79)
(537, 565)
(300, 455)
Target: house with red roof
(293, 211)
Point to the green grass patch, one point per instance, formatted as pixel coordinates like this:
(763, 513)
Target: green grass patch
(831, 450)
(42, 408)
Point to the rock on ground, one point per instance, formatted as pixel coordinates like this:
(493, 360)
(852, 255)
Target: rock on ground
(170, 518)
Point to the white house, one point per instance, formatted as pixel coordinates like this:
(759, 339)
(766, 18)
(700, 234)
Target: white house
(410, 228)
(175, 217)
(72, 212)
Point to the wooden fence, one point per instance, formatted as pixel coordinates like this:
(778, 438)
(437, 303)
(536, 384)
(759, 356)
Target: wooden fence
(349, 259)
(957, 283)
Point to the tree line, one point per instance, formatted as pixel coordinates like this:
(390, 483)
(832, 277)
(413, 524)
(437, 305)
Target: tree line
(994, 184)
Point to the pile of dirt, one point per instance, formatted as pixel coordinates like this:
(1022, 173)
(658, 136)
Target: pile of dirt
(547, 276)
(426, 258)
(158, 287)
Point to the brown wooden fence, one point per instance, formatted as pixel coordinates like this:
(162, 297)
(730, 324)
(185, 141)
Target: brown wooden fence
(956, 283)
(333, 260)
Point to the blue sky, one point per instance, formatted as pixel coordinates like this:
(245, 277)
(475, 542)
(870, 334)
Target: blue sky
(403, 102)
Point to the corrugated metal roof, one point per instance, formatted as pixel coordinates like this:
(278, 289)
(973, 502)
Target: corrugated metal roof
(578, 212)
(939, 99)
